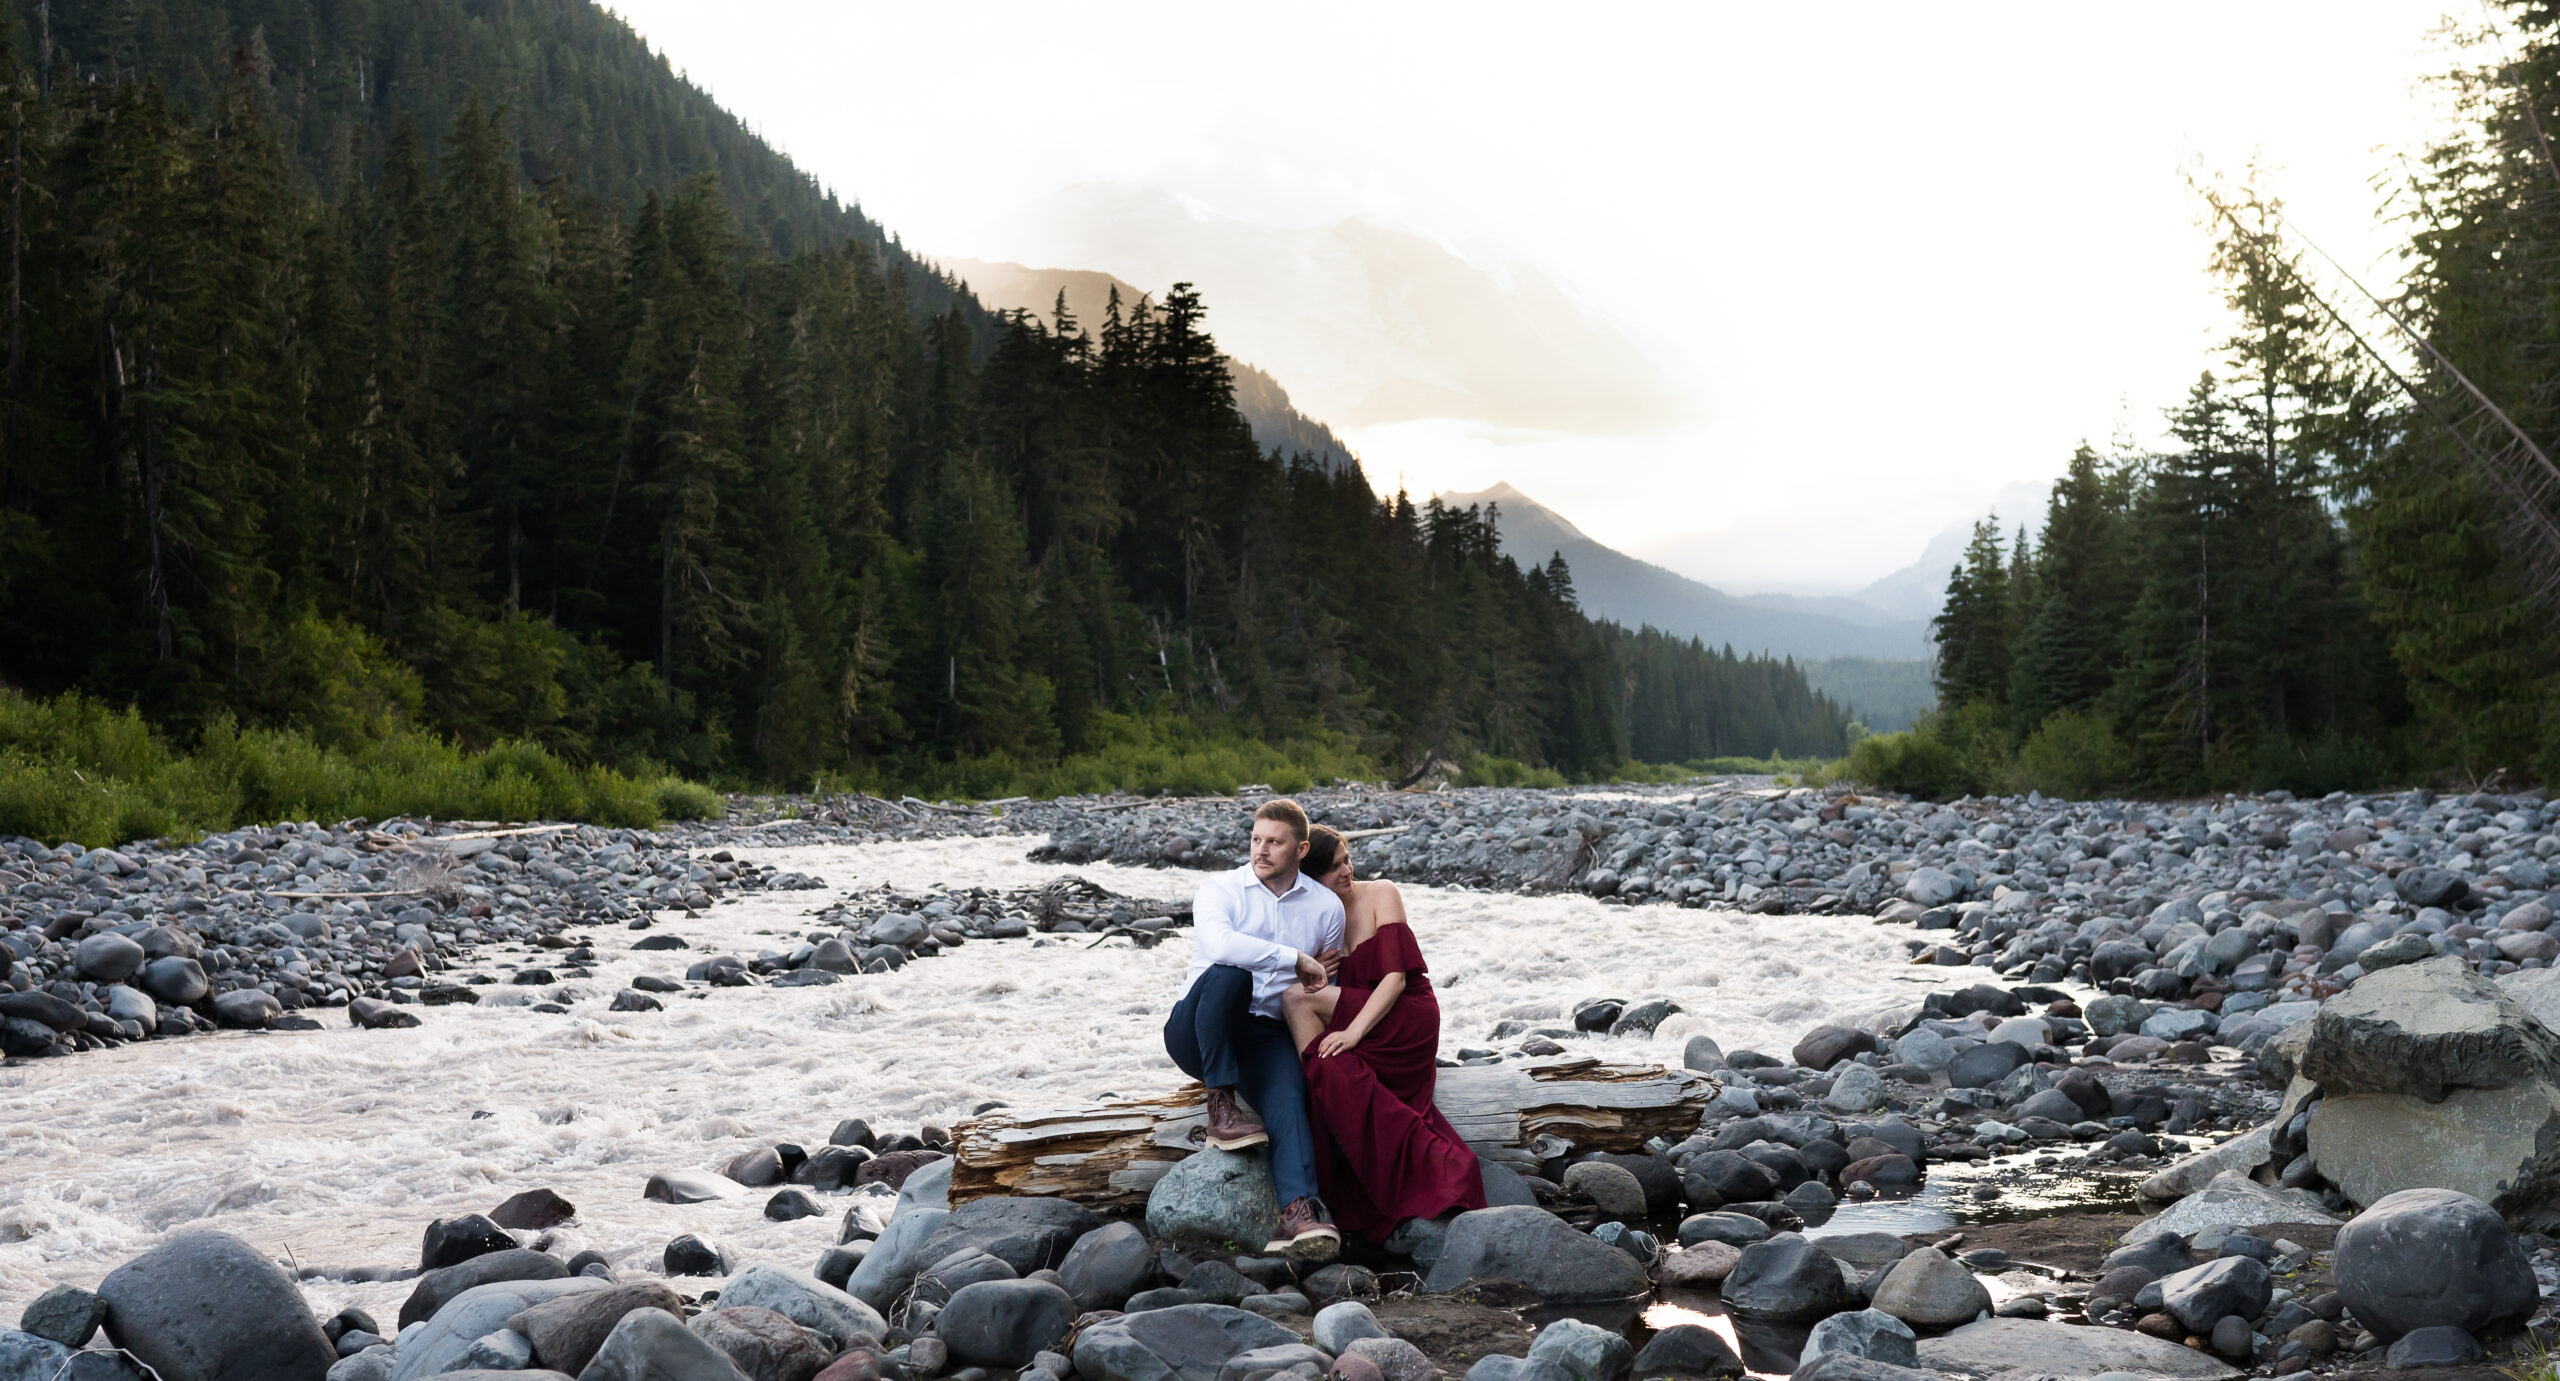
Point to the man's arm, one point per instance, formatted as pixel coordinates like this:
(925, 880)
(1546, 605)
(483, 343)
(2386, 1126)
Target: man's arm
(1214, 936)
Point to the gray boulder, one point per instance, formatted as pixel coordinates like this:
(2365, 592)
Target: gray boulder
(2424, 1258)
(1613, 1189)
(1107, 1265)
(566, 1331)
(1341, 1324)
(1026, 1234)
(805, 1300)
(1535, 1248)
(2426, 1029)
(206, 1306)
(1980, 1351)
(1499, 1367)
(1004, 1323)
(1395, 1359)
(1216, 1196)
(1928, 1289)
(648, 1345)
(2201, 1296)
(435, 1287)
(107, 957)
(2433, 1077)
(1188, 1342)
(761, 1343)
(2232, 1200)
(27, 1357)
(890, 1267)
(1585, 1352)
(176, 980)
(66, 1314)
(1869, 1333)
(374, 1364)
(245, 1009)
(2440, 1346)
(441, 1342)
(1788, 1279)
(1297, 1359)
(1688, 1349)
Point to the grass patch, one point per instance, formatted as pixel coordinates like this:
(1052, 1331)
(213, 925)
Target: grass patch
(1144, 754)
(71, 768)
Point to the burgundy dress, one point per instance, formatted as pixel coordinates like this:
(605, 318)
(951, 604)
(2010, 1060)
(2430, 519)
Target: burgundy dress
(1383, 1152)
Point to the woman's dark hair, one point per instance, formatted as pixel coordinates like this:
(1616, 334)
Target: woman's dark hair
(1326, 849)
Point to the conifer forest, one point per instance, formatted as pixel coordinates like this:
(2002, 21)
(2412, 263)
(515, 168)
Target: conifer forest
(457, 369)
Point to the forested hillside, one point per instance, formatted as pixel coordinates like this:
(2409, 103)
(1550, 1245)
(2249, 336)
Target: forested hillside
(2345, 568)
(464, 439)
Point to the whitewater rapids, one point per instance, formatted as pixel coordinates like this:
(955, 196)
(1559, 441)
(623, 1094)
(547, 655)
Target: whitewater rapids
(334, 1148)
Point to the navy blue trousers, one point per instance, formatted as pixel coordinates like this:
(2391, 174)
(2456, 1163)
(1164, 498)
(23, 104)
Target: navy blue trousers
(1215, 1038)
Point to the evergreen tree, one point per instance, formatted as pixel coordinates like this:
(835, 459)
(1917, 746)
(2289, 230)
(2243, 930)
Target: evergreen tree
(1972, 632)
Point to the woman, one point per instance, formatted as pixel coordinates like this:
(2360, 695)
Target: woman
(1371, 1045)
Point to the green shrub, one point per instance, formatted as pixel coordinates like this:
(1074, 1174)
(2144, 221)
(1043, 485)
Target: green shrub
(1913, 762)
(70, 768)
(1482, 769)
(2074, 754)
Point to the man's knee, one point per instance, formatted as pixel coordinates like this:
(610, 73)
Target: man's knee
(1224, 983)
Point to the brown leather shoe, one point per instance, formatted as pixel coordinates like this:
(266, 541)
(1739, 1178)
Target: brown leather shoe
(1306, 1232)
(1231, 1128)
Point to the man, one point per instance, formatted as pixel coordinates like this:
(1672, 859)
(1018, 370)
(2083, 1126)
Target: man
(1255, 931)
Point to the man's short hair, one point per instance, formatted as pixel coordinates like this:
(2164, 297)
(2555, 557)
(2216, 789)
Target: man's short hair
(1287, 812)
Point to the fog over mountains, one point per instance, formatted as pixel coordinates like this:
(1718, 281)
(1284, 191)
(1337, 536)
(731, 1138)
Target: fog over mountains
(1614, 585)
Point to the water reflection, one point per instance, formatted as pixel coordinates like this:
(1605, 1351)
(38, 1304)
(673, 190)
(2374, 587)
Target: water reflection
(1767, 1349)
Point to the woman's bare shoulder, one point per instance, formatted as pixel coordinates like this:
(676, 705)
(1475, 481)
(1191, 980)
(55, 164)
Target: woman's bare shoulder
(1382, 903)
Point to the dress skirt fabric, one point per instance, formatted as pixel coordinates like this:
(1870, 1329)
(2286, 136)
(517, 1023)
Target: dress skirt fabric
(1383, 1152)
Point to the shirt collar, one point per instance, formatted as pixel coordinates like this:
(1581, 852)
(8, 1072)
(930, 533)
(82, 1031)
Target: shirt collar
(1254, 881)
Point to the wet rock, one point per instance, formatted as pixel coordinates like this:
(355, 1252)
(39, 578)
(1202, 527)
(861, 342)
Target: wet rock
(648, 1345)
(890, 1267)
(566, 1330)
(452, 1241)
(2427, 1257)
(27, 1357)
(687, 1254)
(65, 1314)
(1928, 1290)
(176, 980)
(1215, 1196)
(533, 1210)
(246, 1009)
(1190, 1342)
(1533, 1247)
(1341, 1281)
(1686, 1349)
(206, 1306)
(1787, 1278)
(1869, 1333)
(1583, 1351)
(1698, 1267)
(683, 1187)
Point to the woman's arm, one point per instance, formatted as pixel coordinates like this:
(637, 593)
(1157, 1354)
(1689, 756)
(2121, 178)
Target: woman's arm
(1382, 1000)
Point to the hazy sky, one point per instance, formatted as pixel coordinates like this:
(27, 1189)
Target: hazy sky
(1889, 258)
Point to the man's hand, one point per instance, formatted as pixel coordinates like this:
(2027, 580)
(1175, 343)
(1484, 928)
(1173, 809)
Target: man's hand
(1338, 1043)
(1315, 973)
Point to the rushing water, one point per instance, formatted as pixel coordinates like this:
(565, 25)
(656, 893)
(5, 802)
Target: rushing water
(336, 1147)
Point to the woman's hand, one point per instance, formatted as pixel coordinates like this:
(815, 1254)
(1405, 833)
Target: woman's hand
(1338, 1043)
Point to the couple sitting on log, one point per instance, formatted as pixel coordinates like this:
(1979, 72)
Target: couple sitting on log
(1307, 997)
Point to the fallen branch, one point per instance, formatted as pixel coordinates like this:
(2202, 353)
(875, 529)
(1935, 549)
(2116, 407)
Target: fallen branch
(1109, 1157)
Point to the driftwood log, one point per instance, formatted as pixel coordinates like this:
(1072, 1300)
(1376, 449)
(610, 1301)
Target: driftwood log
(1108, 1157)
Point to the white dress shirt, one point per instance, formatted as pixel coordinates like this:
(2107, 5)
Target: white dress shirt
(1236, 920)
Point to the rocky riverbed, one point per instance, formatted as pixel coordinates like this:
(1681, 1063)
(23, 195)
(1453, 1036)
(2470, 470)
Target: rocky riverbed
(1971, 1027)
